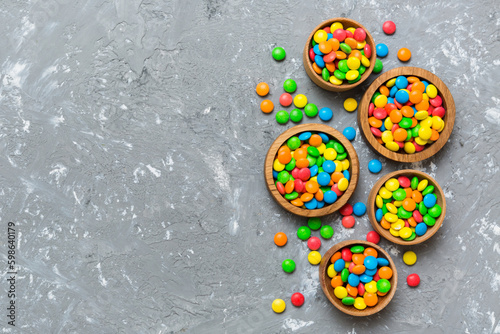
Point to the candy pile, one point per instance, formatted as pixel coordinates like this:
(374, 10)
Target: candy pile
(311, 170)
(406, 114)
(407, 208)
(359, 276)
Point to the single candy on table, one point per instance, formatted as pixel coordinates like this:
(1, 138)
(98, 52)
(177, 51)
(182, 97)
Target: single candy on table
(326, 232)
(373, 236)
(404, 54)
(379, 66)
(346, 210)
(280, 239)
(262, 89)
(348, 221)
(290, 86)
(350, 104)
(413, 280)
(409, 258)
(279, 53)
(296, 115)
(375, 166)
(303, 233)
(288, 265)
(382, 50)
(349, 133)
(389, 27)
(314, 257)
(267, 106)
(314, 223)
(359, 209)
(325, 114)
(311, 110)
(278, 305)
(282, 117)
(297, 299)
(286, 99)
(314, 243)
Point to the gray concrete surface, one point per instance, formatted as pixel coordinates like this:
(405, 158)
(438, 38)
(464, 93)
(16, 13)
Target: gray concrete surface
(131, 161)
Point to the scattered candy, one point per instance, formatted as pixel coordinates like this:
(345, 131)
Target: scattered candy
(280, 239)
(373, 236)
(404, 54)
(296, 115)
(359, 276)
(288, 266)
(303, 233)
(279, 53)
(349, 133)
(346, 210)
(278, 305)
(311, 170)
(382, 50)
(375, 166)
(378, 66)
(413, 280)
(409, 258)
(314, 243)
(314, 223)
(297, 299)
(389, 27)
(290, 86)
(326, 232)
(286, 99)
(359, 209)
(350, 104)
(314, 258)
(262, 89)
(267, 106)
(325, 114)
(282, 117)
(406, 114)
(311, 110)
(348, 221)
(300, 101)
(402, 210)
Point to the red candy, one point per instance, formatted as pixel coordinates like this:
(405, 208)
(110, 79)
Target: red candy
(348, 221)
(413, 280)
(373, 236)
(286, 99)
(346, 210)
(314, 243)
(304, 174)
(340, 35)
(389, 27)
(361, 289)
(346, 254)
(359, 34)
(404, 182)
(311, 54)
(297, 299)
(368, 50)
(281, 188)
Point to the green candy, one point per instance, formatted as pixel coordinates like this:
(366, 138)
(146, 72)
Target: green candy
(399, 194)
(291, 196)
(344, 274)
(384, 209)
(291, 165)
(289, 86)
(361, 70)
(330, 143)
(296, 115)
(342, 156)
(338, 147)
(435, 211)
(355, 80)
(414, 131)
(428, 220)
(311, 110)
(375, 96)
(428, 190)
(288, 266)
(339, 74)
(282, 117)
(348, 301)
(325, 74)
(313, 151)
(346, 48)
(343, 66)
(319, 163)
(279, 53)
(422, 208)
(408, 135)
(402, 213)
(311, 159)
(326, 232)
(414, 183)
(304, 233)
(293, 143)
(386, 200)
(378, 66)
(313, 43)
(383, 285)
(314, 223)
(283, 176)
(406, 123)
(357, 249)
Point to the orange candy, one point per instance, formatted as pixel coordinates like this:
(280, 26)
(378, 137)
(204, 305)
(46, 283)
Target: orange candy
(396, 116)
(404, 54)
(417, 196)
(370, 251)
(400, 134)
(312, 187)
(385, 272)
(358, 258)
(330, 67)
(419, 85)
(409, 192)
(336, 281)
(316, 68)
(340, 55)
(412, 221)
(297, 202)
(267, 106)
(284, 155)
(376, 123)
(351, 42)
(335, 257)
(319, 195)
(409, 204)
(358, 269)
(434, 136)
(300, 153)
(407, 111)
(262, 89)
(413, 79)
(385, 224)
(371, 299)
(302, 163)
(336, 176)
(306, 197)
(423, 105)
(384, 90)
(357, 54)
(325, 47)
(315, 140)
(352, 291)
(280, 239)
(289, 186)
(415, 96)
(335, 43)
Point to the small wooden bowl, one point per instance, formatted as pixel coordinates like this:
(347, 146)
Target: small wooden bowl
(328, 289)
(449, 118)
(353, 169)
(316, 78)
(410, 173)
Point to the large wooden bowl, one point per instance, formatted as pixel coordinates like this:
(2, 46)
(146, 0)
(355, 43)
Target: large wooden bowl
(328, 289)
(353, 169)
(316, 78)
(410, 173)
(449, 118)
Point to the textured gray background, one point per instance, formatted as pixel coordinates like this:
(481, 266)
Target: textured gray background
(131, 157)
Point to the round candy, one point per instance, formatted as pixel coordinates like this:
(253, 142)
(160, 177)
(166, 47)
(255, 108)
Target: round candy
(325, 114)
(314, 257)
(375, 166)
(409, 258)
(289, 86)
(297, 299)
(404, 54)
(286, 99)
(373, 236)
(382, 50)
(279, 53)
(280, 239)
(296, 115)
(314, 223)
(378, 66)
(350, 104)
(288, 265)
(278, 305)
(389, 27)
(311, 110)
(413, 280)
(300, 100)
(348, 221)
(326, 231)
(282, 117)
(314, 243)
(304, 233)
(359, 209)
(349, 133)
(267, 106)
(262, 89)
(346, 210)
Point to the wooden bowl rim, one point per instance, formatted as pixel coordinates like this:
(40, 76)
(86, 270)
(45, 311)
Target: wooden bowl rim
(449, 118)
(328, 290)
(441, 200)
(354, 169)
(318, 80)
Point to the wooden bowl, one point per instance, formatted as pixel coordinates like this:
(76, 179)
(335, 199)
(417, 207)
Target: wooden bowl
(316, 78)
(353, 169)
(449, 117)
(410, 173)
(328, 289)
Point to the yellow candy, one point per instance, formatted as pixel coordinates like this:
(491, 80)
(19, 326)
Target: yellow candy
(431, 91)
(314, 178)
(421, 115)
(359, 303)
(405, 232)
(320, 36)
(392, 184)
(360, 45)
(398, 225)
(385, 193)
(379, 202)
(437, 123)
(420, 141)
(278, 305)
(350, 104)
(321, 148)
(334, 81)
(300, 101)
(409, 148)
(441, 128)
(380, 101)
(278, 166)
(365, 61)
(347, 263)
(391, 217)
(351, 29)
(409, 258)
(330, 154)
(394, 232)
(353, 63)
(388, 123)
(387, 135)
(314, 258)
(352, 75)
(340, 292)
(426, 123)
(338, 166)
(425, 97)
(371, 287)
(422, 185)
(391, 83)
(392, 208)
(425, 133)
(343, 184)
(335, 26)
(345, 164)
(331, 272)
(392, 146)
(398, 203)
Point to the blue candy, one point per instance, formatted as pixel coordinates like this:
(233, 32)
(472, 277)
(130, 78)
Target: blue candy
(402, 96)
(316, 50)
(323, 178)
(430, 200)
(393, 92)
(312, 204)
(329, 197)
(349, 133)
(365, 278)
(382, 262)
(325, 114)
(375, 166)
(314, 170)
(275, 174)
(359, 209)
(371, 272)
(370, 262)
(347, 175)
(320, 204)
(382, 50)
(324, 137)
(319, 61)
(339, 265)
(420, 229)
(379, 214)
(305, 136)
(401, 82)
(353, 280)
(328, 166)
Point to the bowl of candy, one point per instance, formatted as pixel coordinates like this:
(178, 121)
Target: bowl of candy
(358, 277)
(311, 170)
(407, 114)
(406, 207)
(339, 54)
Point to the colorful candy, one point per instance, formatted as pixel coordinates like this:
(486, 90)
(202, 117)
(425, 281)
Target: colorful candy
(296, 115)
(406, 114)
(288, 265)
(297, 299)
(375, 166)
(303, 233)
(279, 53)
(262, 89)
(373, 236)
(326, 232)
(314, 243)
(267, 106)
(338, 55)
(282, 117)
(389, 27)
(325, 114)
(413, 280)
(382, 50)
(278, 305)
(280, 239)
(350, 104)
(290, 86)
(359, 209)
(314, 258)
(311, 170)
(286, 99)
(404, 54)
(401, 208)
(359, 276)
(349, 133)
(314, 223)
(409, 258)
